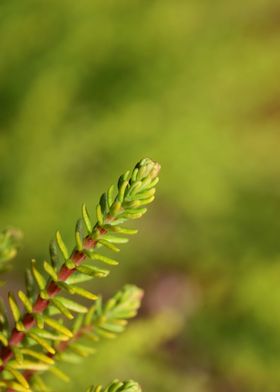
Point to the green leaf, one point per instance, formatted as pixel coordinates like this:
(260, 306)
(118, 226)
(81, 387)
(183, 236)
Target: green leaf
(62, 246)
(122, 230)
(14, 307)
(39, 320)
(20, 326)
(44, 294)
(108, 245)
(59, 305)
(118, 221)
(84, 293)
(103, 203)
(29, 365)
(25, 301)
(152, 183)
(58, 327)
(92, 271)
(72, 305)
(50, 270)
(104, 259)
(146, 194)
(115, 240)
(78, 235)
(113, 327)
(77, 277)
(122, 191)
(132, 204)
(18, 376)
(70, 264)
(149, 200)
(3, 339)
(30, 284)
(134, 188)
(41, 282)
(3, 316)
(134, 215)
(42, 342)
(133, 175)
(35, 354)
(110, 197)
(53, 253)
(116, 208)
(66, 286)
(86, 219)
(99, 215)
(96, 308)
(42, 333)
(134, 211)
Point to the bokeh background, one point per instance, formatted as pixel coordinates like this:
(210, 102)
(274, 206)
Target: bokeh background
(87, 88)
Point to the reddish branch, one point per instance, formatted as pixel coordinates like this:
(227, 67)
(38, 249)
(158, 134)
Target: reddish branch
(28, 320)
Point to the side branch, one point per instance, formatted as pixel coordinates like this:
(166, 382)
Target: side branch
(134, 192)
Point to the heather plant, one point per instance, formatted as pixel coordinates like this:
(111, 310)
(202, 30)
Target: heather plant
(44, 330)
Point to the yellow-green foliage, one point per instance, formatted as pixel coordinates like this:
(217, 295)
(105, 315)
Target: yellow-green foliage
(38, 339)
(117, 386)
(85, 86)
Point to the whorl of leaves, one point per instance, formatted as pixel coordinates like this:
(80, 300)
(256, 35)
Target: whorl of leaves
(35, 341)
(102, 321)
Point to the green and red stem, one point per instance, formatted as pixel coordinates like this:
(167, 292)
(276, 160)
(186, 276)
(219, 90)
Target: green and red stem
(28, 320)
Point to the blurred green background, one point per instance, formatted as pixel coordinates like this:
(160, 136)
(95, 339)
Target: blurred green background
(87, 88)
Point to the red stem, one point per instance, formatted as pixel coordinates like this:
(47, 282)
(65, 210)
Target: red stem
(28, 320)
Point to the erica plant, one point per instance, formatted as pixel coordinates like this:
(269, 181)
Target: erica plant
(46, 331)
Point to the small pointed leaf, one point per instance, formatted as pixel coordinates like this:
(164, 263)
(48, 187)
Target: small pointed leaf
(92, 271)
(99, 215)
(59, 305)
(72, 305)
(35, 354)
(25, 301)
(78, 235)
(108, 245)
(86, 219)
(104, 259)
(57, 326)
(62, 246)
(84, 293)
(41, 282)
(42, 342)
(18, 376)
(50, 270)
(14, 307)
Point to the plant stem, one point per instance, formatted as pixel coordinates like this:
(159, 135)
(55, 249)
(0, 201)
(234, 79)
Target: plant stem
(28, 320)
